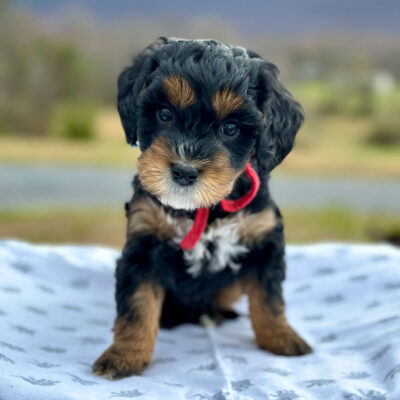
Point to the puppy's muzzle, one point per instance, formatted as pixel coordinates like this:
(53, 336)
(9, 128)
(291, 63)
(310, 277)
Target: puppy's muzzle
(184, 175)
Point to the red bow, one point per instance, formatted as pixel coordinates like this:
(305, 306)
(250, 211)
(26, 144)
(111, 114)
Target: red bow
(200, 220)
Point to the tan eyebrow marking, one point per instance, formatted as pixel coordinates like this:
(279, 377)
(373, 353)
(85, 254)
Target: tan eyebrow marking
(225, 101)
(179, 92)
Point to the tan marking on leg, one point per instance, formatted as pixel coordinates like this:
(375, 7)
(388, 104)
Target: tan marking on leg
(225, 101)
(228, 296)
(179, 92)
(272, 331)
(145, 216)
(135, 337)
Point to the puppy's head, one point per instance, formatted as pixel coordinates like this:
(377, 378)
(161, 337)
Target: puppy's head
(200, 110)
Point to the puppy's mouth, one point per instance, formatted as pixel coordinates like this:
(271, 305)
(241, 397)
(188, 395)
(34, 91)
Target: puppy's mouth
(185, 183)
(181, 196)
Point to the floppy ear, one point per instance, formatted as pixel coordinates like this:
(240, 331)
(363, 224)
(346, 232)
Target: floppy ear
(130, 83)
(283, 115)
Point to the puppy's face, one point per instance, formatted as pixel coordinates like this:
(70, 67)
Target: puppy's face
(198, 113)
(195, 138)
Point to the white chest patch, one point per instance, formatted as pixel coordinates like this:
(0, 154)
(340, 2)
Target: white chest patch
(216, 250)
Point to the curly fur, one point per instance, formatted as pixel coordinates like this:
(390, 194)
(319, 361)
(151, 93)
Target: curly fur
(205, 84)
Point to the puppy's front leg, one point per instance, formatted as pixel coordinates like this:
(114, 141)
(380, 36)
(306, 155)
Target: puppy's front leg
(135, 333)
(272, 331)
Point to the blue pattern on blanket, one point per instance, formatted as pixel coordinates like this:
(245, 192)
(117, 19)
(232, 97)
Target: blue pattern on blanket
(57, 310)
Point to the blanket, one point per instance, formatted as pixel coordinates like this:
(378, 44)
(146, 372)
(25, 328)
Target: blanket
(57, 310)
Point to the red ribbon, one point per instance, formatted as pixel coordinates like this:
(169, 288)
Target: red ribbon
(200, 220)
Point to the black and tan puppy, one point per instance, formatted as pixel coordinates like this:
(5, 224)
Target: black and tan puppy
(201, 111)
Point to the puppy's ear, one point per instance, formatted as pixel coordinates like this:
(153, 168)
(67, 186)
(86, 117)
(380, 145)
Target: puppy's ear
(131, 81)
(283, 117)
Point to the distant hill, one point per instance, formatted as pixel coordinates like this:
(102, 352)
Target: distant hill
(289, 17)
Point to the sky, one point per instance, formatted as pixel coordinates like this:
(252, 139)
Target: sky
(288, 17)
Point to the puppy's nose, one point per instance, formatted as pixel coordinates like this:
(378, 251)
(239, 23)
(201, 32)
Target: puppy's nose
(184, 175)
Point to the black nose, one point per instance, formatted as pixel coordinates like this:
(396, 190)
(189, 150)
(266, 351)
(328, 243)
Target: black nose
(184, 175)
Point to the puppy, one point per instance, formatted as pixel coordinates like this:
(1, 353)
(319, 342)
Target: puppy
(211, 120)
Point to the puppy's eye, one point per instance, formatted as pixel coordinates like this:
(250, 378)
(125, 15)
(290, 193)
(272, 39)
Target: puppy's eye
(229, 129)
(165, 114)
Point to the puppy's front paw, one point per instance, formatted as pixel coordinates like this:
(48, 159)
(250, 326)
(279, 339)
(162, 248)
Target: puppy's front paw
(119, 362)
(284, 342)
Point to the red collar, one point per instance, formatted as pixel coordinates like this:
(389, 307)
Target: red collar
(200, 220)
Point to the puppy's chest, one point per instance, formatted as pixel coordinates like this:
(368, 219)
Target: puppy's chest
(219, 246)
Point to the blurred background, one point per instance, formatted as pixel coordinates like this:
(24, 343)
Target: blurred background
(65, 169)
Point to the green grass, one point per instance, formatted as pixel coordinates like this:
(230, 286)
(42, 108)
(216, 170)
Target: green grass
(303, 226)
(89, 226)
(107, 226)
(100, 152)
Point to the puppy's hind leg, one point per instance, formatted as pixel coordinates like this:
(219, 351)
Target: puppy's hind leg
(225, 300)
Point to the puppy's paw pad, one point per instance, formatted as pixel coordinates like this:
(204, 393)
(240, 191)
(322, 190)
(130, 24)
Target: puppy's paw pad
(286, 343)
(114, 364)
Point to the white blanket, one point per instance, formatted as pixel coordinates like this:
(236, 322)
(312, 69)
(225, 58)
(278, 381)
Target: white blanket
(57, 310)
